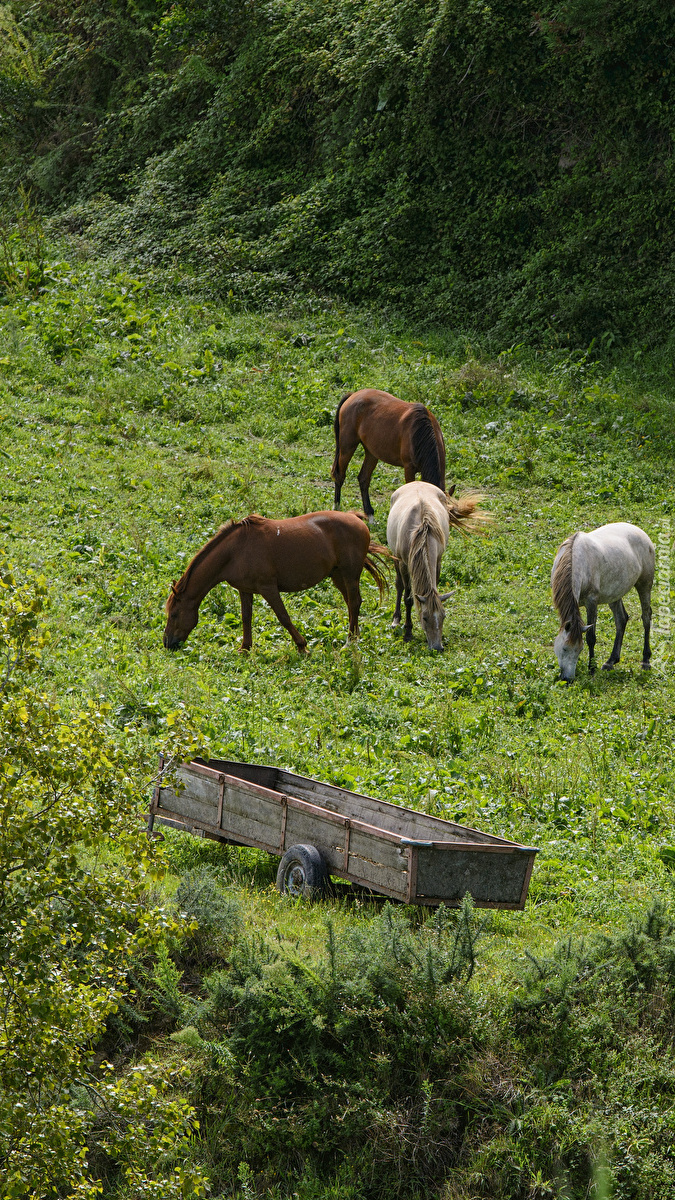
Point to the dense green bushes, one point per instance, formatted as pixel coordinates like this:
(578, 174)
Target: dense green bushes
(74, 871)
(374, 1070)
(475, 163)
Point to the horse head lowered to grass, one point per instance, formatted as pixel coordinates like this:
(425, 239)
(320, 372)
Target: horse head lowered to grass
(266, 557)
(599, 568)
(417, 534)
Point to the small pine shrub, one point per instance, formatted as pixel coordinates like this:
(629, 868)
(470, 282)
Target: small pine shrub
(216, 916)
(338, 1058)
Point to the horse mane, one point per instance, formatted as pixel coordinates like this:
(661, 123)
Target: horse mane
(418, 557)
(425, 446)
(223, 533)
(563, 592)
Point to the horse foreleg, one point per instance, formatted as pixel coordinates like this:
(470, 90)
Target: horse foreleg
(271, 595)
(246, 601)
(399, 593)
(365, 476)
(645, 594)
(409, 472)
(591, 621)
(620, 620)
(343, 458)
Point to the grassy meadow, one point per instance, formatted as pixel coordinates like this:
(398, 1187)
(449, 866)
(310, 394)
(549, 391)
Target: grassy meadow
(136, 418)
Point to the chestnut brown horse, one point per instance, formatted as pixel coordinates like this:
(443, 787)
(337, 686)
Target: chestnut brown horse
(391, 430)
(266, 557)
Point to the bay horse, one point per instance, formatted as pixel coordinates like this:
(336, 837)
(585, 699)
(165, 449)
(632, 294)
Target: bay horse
(418, 529)
(599, 568)
(264, 557)
(391, 430)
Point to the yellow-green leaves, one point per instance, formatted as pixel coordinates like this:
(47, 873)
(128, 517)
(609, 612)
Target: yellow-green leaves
(75, 866)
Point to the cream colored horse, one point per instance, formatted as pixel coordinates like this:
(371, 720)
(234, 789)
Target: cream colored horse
(599, 568)
(417, 534)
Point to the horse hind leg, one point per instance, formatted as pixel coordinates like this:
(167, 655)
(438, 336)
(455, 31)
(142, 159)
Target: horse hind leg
(645, 594)
(408, 598)
(620, 620)
(399, 594)
(350, 590)
(365, 476)
(591, 621)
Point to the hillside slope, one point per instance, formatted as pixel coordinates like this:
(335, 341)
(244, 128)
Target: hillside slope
(475, 163)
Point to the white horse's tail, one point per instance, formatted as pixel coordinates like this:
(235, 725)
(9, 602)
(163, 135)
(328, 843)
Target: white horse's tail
(465, 514)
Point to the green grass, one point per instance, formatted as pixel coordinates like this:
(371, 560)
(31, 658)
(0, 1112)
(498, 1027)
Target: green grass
(134, 422)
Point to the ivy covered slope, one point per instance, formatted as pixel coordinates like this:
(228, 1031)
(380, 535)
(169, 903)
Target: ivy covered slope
(483, 163)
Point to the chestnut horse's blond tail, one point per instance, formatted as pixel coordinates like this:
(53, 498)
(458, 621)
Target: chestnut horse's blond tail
(375, 550)
(465, 514)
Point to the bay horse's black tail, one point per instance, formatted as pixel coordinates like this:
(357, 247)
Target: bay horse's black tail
(336, 431)
(425, 447)
(375, 550)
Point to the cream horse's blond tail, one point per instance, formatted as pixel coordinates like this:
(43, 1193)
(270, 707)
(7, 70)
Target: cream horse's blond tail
(465, 514)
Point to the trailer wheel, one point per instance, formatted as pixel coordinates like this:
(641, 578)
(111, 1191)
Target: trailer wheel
(302, 873)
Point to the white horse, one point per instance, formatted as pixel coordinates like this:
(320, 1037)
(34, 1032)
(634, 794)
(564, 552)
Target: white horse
(417, 534)
(599, 568)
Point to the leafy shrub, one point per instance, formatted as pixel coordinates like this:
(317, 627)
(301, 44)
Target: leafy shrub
(74, 864)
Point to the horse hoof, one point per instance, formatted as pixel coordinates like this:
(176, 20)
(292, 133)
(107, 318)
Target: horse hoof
(396, 622)
(244, 649)
(646, 666)
(608, 666)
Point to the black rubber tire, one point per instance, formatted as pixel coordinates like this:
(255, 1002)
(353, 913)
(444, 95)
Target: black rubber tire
(302, 873)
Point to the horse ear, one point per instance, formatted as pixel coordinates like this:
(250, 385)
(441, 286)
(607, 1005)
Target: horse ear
(585, 628)
(446, 595)
(451, 491)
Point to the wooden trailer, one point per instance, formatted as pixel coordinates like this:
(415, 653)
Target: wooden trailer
(319, 830)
